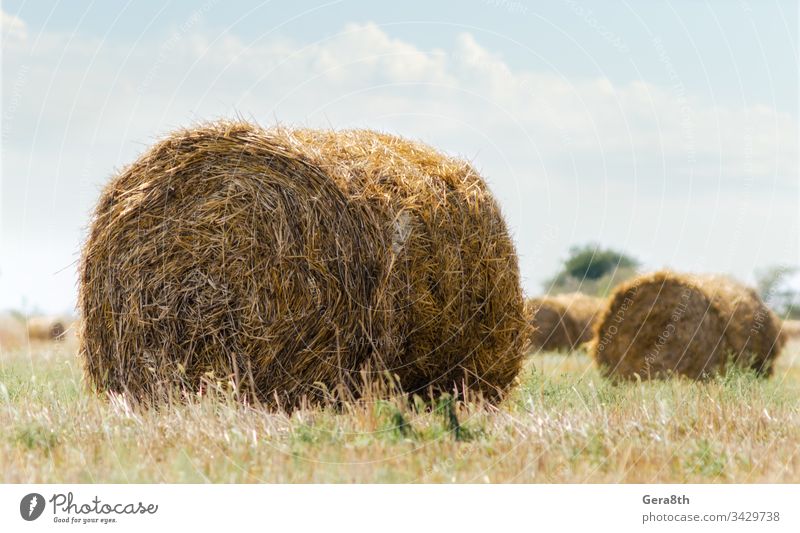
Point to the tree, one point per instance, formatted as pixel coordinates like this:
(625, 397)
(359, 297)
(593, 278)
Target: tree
(593, 270)
(591, 262)
(775, 288)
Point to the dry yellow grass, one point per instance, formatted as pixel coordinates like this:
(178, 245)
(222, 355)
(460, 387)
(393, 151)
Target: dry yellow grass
(562, 423)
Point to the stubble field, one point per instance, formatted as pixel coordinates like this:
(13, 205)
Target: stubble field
(562, 423)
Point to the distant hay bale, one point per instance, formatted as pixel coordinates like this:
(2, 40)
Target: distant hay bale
(665, 323)
(584, 310)
(564, 321)
(552, 328)
(12, 332)
(295, 263)
(47, 328)
(791, 329)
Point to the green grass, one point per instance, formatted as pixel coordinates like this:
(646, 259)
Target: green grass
(562, 423)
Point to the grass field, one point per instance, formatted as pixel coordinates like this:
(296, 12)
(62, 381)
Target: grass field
(562, 423)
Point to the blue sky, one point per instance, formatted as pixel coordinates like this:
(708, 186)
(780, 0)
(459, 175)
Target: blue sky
(667, 129)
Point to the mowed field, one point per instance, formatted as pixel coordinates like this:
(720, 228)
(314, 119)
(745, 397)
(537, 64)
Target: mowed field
(562, 423)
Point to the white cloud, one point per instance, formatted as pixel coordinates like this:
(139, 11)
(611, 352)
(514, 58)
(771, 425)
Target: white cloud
(13, 28)
(364, 68)
(557, 151)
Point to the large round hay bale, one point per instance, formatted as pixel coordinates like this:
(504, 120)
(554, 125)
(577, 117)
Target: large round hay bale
(46, 328)
(564, 321)
(665, 323)
(296, 264)
(455, 282)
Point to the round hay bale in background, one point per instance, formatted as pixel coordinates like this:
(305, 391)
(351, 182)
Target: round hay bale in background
(293, 262)
(665, 323)
(12, 332)
(46, 328)
(564, 321)
(791, 329)
(552, 328)
(584, 310)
